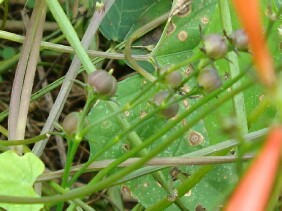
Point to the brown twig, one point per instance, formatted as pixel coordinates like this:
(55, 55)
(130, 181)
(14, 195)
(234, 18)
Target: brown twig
(48, 98)
(15, 25)
(24, 77)
(163, 161)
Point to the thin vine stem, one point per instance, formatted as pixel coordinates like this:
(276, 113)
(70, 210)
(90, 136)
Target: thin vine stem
(147, 27)
(80, 203)
(24, 77)
(24, 141)
(68, 49)
(4, 131)
(155, 164)
(72, 148)
(65, 25)
(74, 142)
(6, 12)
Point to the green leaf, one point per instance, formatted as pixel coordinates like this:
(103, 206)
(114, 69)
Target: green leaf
(17, 177)
(212, 190)
(127, 15)
(182, 35)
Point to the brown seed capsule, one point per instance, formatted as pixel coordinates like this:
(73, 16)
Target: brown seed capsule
(174, 79)
(209, 79)
(103, 83)
(70, 122)
(215, 46)
(169, 111)
(240, 39)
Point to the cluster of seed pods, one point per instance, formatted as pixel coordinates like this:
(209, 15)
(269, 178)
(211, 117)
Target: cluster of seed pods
(103, 84)
(215, 46)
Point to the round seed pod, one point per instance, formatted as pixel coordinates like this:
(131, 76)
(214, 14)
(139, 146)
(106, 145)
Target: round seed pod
(174, 79)
(215, 46)
(240, 39)
(103, 83)
(169, 111)
(70, 122)
(209, 79)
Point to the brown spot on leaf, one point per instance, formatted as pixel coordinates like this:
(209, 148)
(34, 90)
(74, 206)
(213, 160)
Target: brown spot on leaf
(226, 75)
(125, 189)
(170, 28)
(195, 138)
(200, 208)
(204, 20)
(182, 36)
(126, 147)
(173, 173)
(183, 8)
(189, 70)
(185, 89)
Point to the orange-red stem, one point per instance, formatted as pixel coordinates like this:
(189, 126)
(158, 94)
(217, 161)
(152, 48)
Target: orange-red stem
(254, 189)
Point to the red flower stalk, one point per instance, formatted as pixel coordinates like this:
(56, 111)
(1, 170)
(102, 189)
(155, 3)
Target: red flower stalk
(254, 189)
(248, 11)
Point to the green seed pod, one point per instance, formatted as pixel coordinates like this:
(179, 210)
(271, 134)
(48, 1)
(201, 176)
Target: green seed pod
(103, 83)
(70, 122)
(174, 79)
(215, 46)
(240, 39)
(209, 79)
(169, 111)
